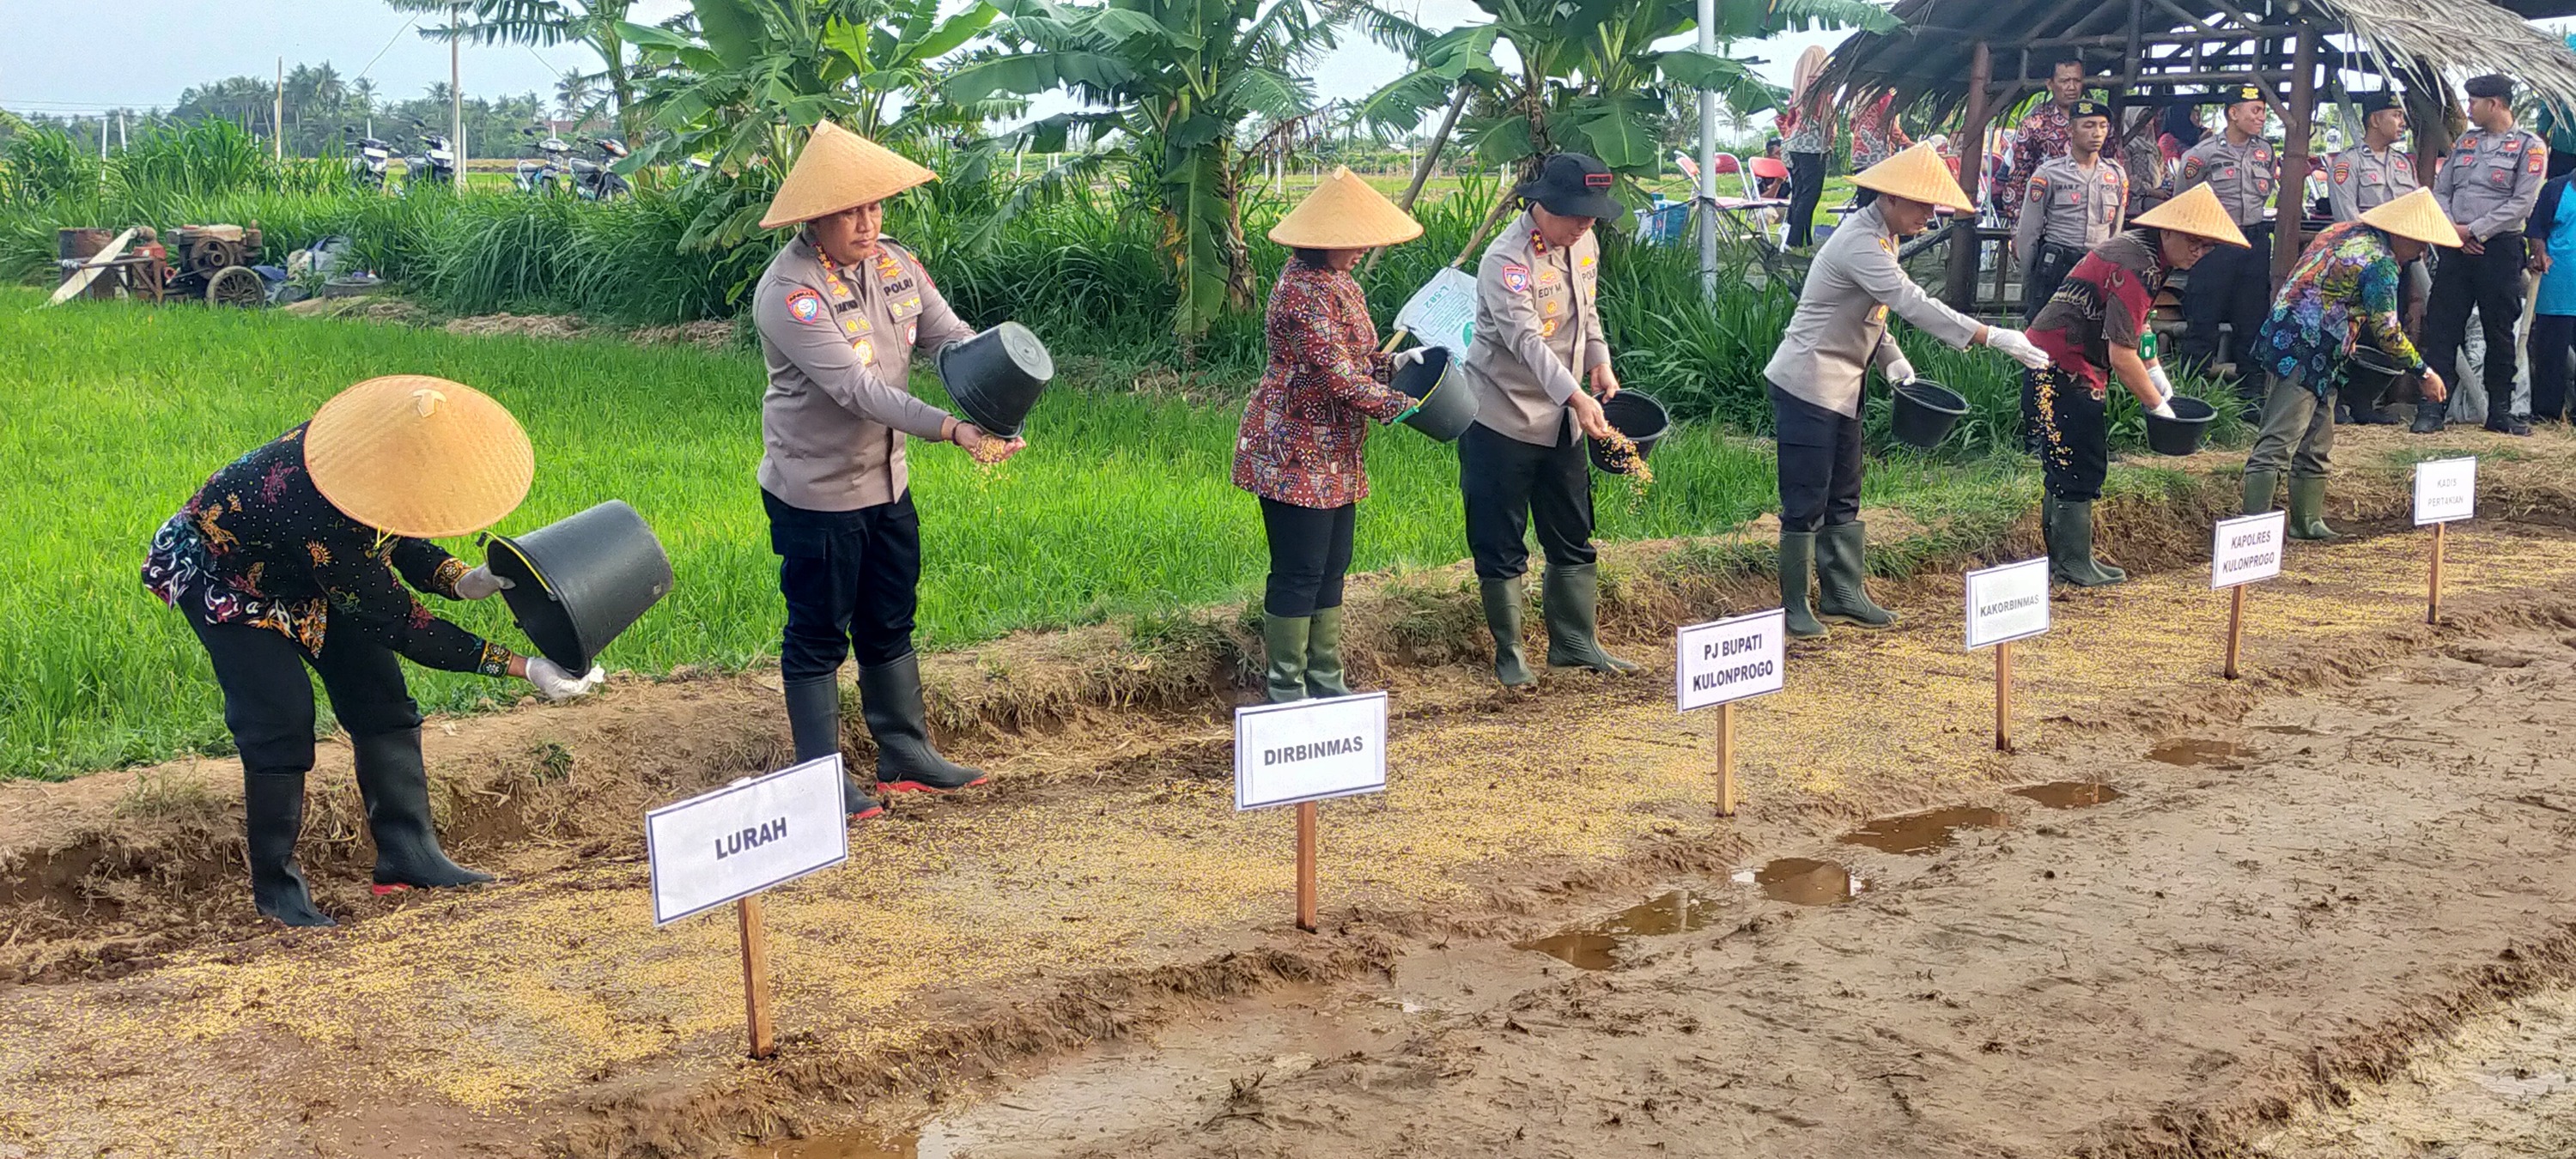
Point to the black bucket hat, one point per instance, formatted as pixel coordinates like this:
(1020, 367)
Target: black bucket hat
(1573, 185)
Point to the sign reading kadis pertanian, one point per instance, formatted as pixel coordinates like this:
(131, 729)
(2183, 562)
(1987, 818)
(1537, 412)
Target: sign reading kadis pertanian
(2446, 490)
(2007, 602)
(746, 837)
(2247, 549)
(1729, 660)
(1309, 750)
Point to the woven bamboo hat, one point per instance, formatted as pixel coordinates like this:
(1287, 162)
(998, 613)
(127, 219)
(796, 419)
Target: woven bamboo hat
(1917, 174)
(2416, 216)
(1344, 213)
(418, 456)
(2198, 213)
(840, 170)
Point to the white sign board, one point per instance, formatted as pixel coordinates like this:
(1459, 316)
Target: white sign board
(2445, 490)
(1443, 312)
(1309, 750)
(2248, 549)
(746, 837)
(1729, 659)
(2007, 602)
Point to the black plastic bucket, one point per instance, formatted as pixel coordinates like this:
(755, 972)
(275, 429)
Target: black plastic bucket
(2186, 431)
(1636, 415)
(1925, 411)
(996, 376)
(2367, 374)
(581, 581)
(1447, 403)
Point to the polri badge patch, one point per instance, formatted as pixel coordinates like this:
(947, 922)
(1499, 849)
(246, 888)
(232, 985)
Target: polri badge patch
(805, 305)
(1515, 278)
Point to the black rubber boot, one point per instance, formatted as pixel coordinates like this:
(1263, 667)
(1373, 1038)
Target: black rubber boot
(814, 719)
(890, 698)
(2500, 415)
(2070, 547)
(1284, 641)
(1503, 602)
(1324, 655)
(2429, 417)
(273, 812)
(1797, 565)
(2308, 508)
(395, 786)
(1842, 564)
(1570, 600)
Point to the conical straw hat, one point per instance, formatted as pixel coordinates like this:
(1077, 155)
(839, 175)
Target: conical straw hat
(2416, 215)
(1344, 213)
(418, 456)
(2198, 213)
(1917, 174)
(839, 170)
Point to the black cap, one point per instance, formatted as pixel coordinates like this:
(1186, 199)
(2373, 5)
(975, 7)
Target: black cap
(2085, 109)
(2243, 93)
(2373, 102)
(2495, 85)
(1573, 185)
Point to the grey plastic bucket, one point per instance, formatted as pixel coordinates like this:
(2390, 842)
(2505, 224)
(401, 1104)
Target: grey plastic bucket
(581, 581)
(1925, 411)
(1447, 405)
(996, 376)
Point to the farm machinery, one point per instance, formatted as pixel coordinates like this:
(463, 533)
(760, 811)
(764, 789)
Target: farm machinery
(213, 263)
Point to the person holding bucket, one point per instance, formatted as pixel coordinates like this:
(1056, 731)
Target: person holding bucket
(2344, 292)
(1299, 447)
(841, 311)
(1838, 331)
(2095, 325)
(288, 559)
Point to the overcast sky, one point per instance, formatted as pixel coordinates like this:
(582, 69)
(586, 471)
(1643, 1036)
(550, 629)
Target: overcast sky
(81, 56)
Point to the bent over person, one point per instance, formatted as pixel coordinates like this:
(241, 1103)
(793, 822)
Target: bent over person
(288, 558)
(841, 311)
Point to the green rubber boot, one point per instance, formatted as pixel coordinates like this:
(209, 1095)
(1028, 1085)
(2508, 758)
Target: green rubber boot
(2070, 547)
(2259, 486)
(1797, 564)
(2308, 508)
(1570, 599)
(1284, 641)
(1503, 602)
(1841, 565)
(1324, 654)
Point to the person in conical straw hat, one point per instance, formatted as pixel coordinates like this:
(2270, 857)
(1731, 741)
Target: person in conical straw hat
(289, 558)
(1299, 448)
(2344, 293)
(841, 311)
(1837, 333)
(2095, 327)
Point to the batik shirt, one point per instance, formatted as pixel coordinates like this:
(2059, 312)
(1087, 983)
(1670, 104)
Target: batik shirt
(1303, 430)
(2103, 302)
(2042, 135)
(1874, 134)
(259, 545)
(2344, 290)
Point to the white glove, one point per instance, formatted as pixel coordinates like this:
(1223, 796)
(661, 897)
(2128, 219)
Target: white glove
(1405, 358)
(481, 584)
(1899, 372)
(2156, 374)
(2162, 410)
(554, 683)
(2011, 344)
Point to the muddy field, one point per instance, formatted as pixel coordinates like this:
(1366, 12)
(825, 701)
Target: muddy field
(2314, 912)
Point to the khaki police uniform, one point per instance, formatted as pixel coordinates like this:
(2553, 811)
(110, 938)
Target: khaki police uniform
(2358, 180)
(2230, 285)
(2069, 210)
(2489, 186)
(1538, 336)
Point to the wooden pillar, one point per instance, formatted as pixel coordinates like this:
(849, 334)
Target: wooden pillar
(1961, 286)
(2292, 201)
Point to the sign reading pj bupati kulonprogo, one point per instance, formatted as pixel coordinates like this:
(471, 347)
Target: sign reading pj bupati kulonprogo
(2008, 602)
(1308, 750)
(2247, 548)
(748, 836)
(1730, 659)
(2446, 490)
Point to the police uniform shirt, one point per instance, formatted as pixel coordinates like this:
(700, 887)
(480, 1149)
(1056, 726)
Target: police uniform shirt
(1840, 327)
(2358, 180)
(2070, 207)
(2241, 175)
(2492, 180)
(1538, 331)
(839, 342)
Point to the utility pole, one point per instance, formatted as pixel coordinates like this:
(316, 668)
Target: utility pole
(1706, 210)
(456, 88)
(277, 118)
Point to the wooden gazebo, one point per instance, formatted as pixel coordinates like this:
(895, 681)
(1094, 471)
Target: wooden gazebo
(1976, 57)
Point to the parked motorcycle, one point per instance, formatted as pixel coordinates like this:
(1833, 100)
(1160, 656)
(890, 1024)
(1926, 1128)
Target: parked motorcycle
(368, 167)
(599, 180)
(435, 164)
(557, 169)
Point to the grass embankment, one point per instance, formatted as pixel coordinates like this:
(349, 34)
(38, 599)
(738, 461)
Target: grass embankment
(1122, 505)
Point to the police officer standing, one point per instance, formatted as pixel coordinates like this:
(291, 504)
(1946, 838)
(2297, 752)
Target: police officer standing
(2373, 173)
(2489, 187)
(841, 310)
(1537, 347)
(2043, 134)
(2076, 202)
(2232, 285)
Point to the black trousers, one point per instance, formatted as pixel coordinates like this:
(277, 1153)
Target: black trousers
(2074, 433)
(2050, 269)
(1310, 550)
(850, 580)
(2551, 337)
(268, 702)
(2233, 286)
(2491, 284)
(1820, 463)
(1509, 484)
(1806, 190)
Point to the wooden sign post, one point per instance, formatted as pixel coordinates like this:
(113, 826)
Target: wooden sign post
(2446, 491)
(731, 844)
(2007, 602)
(2241, 552)
(1304, 752)
(1724, 661)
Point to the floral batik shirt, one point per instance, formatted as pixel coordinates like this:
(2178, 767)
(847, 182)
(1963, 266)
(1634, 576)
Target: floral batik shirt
(1304, 426)
(2042, 135)
(2345, 288)
(259, 545)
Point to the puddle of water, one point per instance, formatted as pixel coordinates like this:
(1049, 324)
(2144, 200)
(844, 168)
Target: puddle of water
(1803, 881)
(1595, 947)
(2197, 753)
(854, 1145)
(2070, 794)
(1924, 832)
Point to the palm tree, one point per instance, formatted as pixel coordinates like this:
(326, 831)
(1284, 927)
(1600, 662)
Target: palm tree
(596, 24)
(576, 97)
